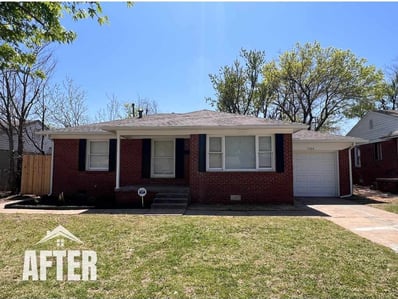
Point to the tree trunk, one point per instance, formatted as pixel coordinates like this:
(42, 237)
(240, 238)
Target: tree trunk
(18, 173)
(11, 163)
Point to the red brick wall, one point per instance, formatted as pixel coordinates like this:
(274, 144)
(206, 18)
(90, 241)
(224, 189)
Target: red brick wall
(344, 172)
(130, 161)
(370, 168)
(254, 187)
(68, 179)
(131, 164)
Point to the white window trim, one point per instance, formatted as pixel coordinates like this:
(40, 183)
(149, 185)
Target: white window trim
(222, 153)
(379, 150)
(357, 157)
(88, 168)
(257, 169)
(153, 175)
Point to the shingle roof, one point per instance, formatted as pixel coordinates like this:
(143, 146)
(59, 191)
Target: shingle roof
(306, 135)
(197, 119)
(202, 118)
(388, 112)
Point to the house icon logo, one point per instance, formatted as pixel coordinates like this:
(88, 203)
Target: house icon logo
(60, 233)
(71, 265)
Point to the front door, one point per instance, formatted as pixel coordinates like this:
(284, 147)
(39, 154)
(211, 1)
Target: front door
(163, 158)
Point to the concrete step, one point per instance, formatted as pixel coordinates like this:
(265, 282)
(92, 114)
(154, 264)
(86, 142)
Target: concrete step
(170, 200)
(172, 195)
(169, 205)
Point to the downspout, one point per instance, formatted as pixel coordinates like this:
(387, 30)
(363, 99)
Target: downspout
(350, 170)
(52, 169)
(117, 183)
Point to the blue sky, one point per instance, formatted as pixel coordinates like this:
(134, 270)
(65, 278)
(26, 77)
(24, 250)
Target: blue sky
(165, 51)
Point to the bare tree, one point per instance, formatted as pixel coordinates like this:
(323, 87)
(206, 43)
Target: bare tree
(40, 112)
(67, 105)
(147, 105)
(113, 110)
(20, 87)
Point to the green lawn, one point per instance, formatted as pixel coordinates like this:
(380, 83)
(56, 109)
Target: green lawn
(390, 207)
(199, 256)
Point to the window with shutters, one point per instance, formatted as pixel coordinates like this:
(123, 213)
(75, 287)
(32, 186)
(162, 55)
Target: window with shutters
(97, 155)
(240, 153)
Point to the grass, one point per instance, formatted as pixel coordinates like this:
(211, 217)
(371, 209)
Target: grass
(390, 206)
(203, 256)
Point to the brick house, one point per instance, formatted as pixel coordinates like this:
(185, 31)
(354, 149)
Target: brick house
(219, 157)
(376, 162)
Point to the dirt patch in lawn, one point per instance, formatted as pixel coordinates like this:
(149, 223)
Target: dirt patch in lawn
(376, 195)
(376, 198)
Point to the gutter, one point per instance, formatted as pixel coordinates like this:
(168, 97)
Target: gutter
(52, 170)
(350, 170)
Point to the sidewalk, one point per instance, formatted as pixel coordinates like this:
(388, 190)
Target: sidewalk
(371, 223)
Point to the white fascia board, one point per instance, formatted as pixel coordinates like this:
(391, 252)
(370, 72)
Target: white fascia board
(342, 140)
(180, 131)
(315, 146)
(91, 136)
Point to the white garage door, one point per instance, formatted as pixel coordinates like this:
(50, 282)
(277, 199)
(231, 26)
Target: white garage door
(315, 174)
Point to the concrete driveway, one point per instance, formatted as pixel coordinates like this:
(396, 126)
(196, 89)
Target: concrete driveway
(371, 223)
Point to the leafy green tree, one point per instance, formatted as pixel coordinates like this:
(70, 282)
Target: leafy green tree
(238, 87)
(390, 99)
(319, 86)
(26, 25)
(309, 84)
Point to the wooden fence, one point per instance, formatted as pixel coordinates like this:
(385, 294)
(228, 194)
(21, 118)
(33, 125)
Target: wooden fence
(36, 174)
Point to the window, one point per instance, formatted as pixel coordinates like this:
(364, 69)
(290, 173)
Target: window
(378, 151)
(240, 153)
(265, 152)
(357, 157)
(215, 153)
(163, 158)
(97, 155)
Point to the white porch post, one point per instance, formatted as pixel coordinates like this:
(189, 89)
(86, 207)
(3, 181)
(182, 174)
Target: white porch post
(117, 160)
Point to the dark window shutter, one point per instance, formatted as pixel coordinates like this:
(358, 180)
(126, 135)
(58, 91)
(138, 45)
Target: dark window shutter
(202, 152)
(112, 154)
(82, 154)
(180, 158)
(146, 158)
(280, 157)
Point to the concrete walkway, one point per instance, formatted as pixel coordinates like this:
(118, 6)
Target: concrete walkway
(371, 223)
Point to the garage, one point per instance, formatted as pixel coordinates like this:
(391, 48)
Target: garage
(315, 174)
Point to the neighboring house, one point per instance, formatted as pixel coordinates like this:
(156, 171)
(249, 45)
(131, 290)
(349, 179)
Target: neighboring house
(30, 139)
(221, 157)
(378, 159)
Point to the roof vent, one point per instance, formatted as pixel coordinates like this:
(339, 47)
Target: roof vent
(140, 113)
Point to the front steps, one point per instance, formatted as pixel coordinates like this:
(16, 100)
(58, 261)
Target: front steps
(176, 200)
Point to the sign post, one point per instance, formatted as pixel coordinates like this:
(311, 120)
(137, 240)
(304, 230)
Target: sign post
(142, 192)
